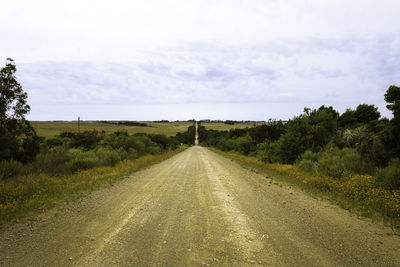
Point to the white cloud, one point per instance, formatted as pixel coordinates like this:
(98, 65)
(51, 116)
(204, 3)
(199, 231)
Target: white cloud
(296, 53)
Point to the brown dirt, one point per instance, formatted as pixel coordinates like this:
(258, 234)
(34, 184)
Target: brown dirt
(198, 209)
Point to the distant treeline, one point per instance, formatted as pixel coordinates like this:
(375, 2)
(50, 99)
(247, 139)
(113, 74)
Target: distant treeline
(127, 123)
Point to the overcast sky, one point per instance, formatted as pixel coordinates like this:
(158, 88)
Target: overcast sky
(178, 60)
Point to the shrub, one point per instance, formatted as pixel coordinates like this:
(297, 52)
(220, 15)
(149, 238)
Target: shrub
(54, 162)
(57, 141)
(82, 160)
(331, 164)
(87, 139)
(338, 163)
(107, 157)
(389, 177)
(307, 165)
(243, 145)
(9, 169)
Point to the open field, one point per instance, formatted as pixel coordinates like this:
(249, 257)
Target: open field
(223, 127)
(49, 129)
(198, 208)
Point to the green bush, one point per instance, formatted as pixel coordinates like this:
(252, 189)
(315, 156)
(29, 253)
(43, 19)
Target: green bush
(307, 165)
(82, 160)
(338, 163)
(352, 161)
(389, 177)
(331, 164)
(243, 145)
(10, 169)
(107, 157)
(54, 162)
(57, 141)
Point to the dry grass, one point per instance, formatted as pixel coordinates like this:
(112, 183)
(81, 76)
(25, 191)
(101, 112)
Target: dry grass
(224, 127)
(358, 192)
(50, 129)
(27, 195)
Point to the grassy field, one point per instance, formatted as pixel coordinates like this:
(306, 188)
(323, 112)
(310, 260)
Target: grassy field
(50, 129)
(222, 126)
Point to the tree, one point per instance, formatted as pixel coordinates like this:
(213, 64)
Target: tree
(365, 113)
(392, 97)
(18, 139)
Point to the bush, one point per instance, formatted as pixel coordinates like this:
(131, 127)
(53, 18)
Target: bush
(389, 177)
(87, 140)
(82, 160)
(9, 169)
(338, 163)
(307, 165)
(308, 161)
(57, 141)
(54, 162)
(107, 157)
(243, 145)
(331, 164)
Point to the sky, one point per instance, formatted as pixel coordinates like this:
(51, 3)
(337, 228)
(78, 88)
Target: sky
(205, 59)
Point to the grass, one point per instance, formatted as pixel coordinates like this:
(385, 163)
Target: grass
(50, 129)
(30, 194)
(224, 127)
(358, 193)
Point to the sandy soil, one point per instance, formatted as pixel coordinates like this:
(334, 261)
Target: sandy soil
(198, 209)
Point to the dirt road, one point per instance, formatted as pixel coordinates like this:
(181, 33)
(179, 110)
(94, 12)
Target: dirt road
(198, 209)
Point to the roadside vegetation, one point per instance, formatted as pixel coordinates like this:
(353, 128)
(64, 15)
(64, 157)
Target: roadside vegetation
(354, 155)
(35, 171)
(28, 194)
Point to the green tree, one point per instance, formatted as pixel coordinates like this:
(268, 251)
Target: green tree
(392, 97)
(18, 140)
(365, 113)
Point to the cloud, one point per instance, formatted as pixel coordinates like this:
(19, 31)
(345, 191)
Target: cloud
(342, 73)
(277, 54)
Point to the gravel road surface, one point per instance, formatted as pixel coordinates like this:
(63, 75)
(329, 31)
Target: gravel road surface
(198, 209)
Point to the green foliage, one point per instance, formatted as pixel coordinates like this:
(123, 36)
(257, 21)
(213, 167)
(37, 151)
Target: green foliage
(109, 157)
(86, 140)
(308, 161)
(366, 113)
(9, 169)
(270, 131)
(244, 145)
(18, 139)
(188, 136)
(70, 152)
(53, 162)
(334, 162)
(392, 140)
(392, 97)
(389, 177)
(82, 160)
(363, 114)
